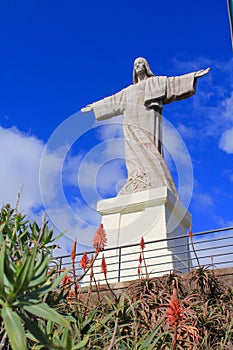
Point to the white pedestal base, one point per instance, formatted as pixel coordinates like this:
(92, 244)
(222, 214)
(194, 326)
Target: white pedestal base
(156, 215)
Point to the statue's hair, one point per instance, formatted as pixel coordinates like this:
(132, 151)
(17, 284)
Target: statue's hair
(147, 67)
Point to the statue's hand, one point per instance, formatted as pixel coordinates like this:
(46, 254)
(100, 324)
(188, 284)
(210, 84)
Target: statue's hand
(88, 108)
(202, 72)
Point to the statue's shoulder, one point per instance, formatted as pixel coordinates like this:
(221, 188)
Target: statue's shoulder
(129, 88)
(158, 77)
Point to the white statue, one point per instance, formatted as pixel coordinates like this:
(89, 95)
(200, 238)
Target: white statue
(141, 106)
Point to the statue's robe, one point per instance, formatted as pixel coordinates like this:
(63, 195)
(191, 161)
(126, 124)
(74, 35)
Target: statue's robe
(145, 165)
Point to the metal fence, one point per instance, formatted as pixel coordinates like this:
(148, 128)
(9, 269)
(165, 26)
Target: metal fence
(213, 248)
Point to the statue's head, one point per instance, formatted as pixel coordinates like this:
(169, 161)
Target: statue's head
(142, 61)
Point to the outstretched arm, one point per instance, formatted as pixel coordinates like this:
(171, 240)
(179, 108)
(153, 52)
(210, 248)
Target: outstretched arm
(108, 107)
(88, 108)
(202, 72)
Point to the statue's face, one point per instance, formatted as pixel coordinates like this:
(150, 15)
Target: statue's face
(139, 66)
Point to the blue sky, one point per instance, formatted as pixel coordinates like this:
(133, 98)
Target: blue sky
(58, 56)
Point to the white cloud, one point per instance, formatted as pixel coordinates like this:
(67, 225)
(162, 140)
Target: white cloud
(70, 168)
(115, 148)
(227, 107)
(111, 129)
(51, 164)
(174, 144)
(87, 174)
(222, 222)
(226, 141)
(212, 108)
(185, 131)
(20, 158)
(74, 223)
(204, 200)
(182, 65)
(21, 166)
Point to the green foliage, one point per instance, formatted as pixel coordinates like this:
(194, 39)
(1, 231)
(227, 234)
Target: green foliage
(25, 255)
(38, 310)
(14, 328)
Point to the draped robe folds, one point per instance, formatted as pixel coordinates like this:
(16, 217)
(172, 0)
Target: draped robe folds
(146, 166)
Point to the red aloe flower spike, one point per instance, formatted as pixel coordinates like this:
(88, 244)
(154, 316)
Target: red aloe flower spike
(91, 259)
(140, 259)
(71, 294)
(91, 274)
(91, 269)
(142, 244)
(66, 280)
(84, 261)
(191, 232)
(139, 271)
(175, 310)
(100, 239)
(191, 240)
(76, 286)
(104, 266)
(73, 251)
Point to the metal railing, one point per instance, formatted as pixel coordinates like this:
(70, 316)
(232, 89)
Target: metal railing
(213, 248)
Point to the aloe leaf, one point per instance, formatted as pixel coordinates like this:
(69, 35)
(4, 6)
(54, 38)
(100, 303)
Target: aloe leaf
(66, 340)
(35, 230)
(39, 280)
(38, 334)
(44, 311)
(25, 273)
(59, 279)
(9, 270)
(81, 344)
(96, 326)
(14, 329)
(49, 286)
(49, 237)
(58, 236)
(147, 340)
(40, 271)
(2, 264)
(2, 226)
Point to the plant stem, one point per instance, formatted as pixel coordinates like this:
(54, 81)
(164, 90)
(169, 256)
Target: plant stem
(109, 287)
(114, 335)
(195, 253)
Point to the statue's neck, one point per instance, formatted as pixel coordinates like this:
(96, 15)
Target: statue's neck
(142, 77)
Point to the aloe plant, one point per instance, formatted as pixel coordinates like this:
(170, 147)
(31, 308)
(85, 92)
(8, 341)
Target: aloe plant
(25, 281)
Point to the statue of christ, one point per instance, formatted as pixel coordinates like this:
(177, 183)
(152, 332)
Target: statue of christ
(141, 105)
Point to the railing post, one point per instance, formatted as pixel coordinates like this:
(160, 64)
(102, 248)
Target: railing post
(119, 265)
(60, 267)
(189, 255)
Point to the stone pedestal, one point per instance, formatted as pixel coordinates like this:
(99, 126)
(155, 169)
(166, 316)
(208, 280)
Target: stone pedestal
(157, 216)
